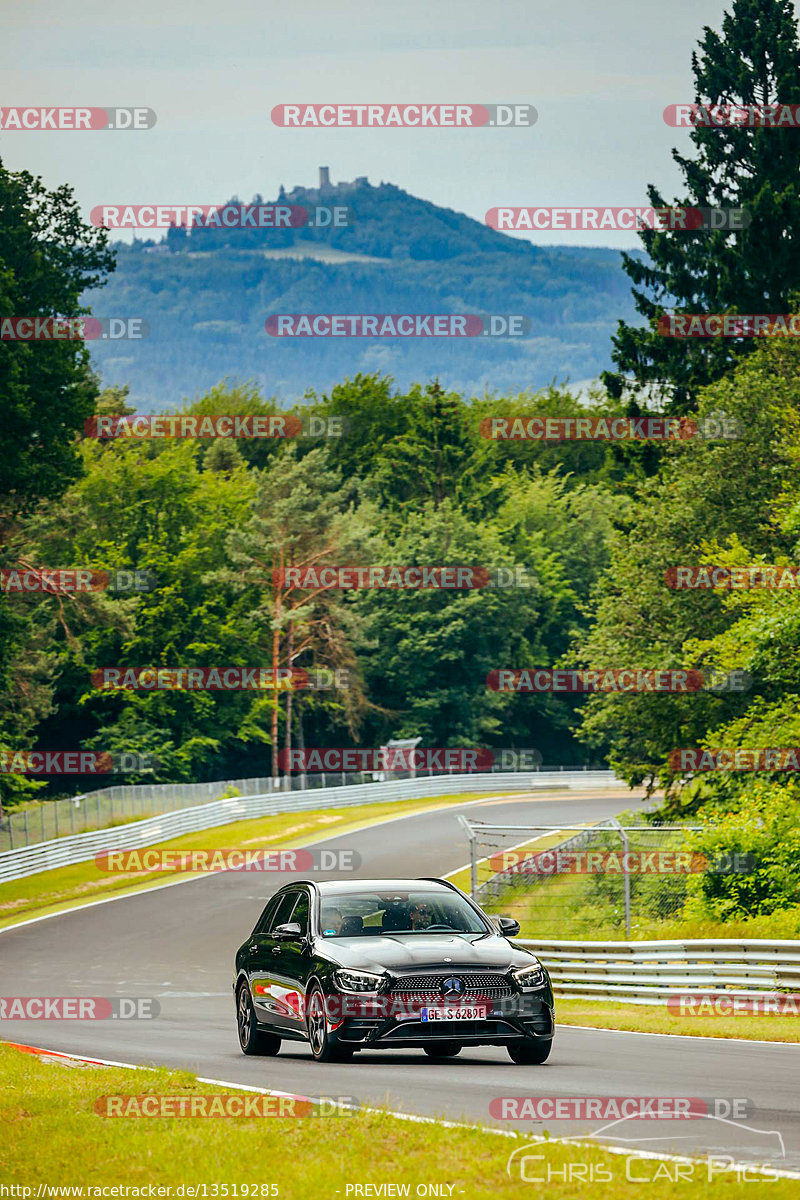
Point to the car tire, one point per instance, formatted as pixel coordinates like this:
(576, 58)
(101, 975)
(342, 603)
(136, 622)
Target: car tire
(443, 1049)
(529, 1051)
(323, 1049)
(252, 1040)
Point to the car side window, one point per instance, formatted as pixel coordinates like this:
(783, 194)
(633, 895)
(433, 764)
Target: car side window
(283, 911)
(265, 920)
(300, 913)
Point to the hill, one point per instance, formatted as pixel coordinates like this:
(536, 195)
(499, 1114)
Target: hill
(206, 294)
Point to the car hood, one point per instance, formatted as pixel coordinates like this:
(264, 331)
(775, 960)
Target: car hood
(404, 952)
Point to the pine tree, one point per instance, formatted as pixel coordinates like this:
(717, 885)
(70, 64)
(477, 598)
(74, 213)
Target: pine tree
(755, 61)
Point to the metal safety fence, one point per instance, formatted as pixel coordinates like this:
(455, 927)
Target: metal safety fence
(44, 856)
(110, 806)
(563, 875)
(651, 972)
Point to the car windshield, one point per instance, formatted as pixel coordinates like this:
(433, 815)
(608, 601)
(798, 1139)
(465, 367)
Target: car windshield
(359, 914)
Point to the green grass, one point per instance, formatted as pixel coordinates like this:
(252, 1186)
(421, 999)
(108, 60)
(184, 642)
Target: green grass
(52, 1135)
(486, 870)
(50, 891)
(657, 1019)
(572, 908)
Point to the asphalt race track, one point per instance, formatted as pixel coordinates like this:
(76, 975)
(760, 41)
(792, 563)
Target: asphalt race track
(177, 944)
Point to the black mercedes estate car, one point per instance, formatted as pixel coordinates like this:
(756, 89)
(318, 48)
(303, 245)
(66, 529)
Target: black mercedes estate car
(381, 963)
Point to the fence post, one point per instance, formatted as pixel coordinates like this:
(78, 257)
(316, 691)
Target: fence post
(27, 836)
(626, 875)
(97, 798)
(57, 804)
(11, 831)
(473, 862)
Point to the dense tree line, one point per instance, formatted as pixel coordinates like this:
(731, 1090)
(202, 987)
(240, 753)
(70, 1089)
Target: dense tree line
(598, 528)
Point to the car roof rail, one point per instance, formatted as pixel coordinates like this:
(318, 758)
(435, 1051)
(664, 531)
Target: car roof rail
(435, 879)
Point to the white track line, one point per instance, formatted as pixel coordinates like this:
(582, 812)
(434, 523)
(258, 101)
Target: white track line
(692, 1037)
(763, 1168)
(141, 890)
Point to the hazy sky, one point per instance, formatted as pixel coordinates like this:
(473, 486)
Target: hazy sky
(600, 75)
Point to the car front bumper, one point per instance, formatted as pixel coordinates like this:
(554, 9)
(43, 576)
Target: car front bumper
(509, 1020)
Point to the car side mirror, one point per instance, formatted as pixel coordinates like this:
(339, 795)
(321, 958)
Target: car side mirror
(291, 932)
(508, 926)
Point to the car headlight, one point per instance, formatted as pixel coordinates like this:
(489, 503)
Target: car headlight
(527, 977)
(357, 981)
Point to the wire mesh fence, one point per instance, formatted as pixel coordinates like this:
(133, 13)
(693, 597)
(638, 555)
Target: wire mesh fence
(106, 807)
(582, 881)
(112, 806)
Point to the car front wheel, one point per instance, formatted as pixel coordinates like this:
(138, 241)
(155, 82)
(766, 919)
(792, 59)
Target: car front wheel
(252, 1039)
(317, 1025)
(529, 1051)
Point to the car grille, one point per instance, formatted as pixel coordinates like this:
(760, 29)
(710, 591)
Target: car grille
(491, 985)
(454, 1030)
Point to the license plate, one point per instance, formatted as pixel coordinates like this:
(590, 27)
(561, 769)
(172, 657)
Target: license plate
(473, 1013)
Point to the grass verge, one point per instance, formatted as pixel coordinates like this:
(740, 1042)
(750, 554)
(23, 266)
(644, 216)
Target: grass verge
(574, 908)
(655, 1018)
(53, 1136)
(489, 866)
(50, 891)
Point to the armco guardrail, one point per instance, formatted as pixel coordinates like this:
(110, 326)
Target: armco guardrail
(104, 807)
(650, 972)
(61, 852)
(113, 805)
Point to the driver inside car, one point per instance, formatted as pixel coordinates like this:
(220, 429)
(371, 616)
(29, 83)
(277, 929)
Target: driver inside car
(331, 920)
(421, 916)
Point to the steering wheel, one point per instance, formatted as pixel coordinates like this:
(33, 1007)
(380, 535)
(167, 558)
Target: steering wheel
(438, 928)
